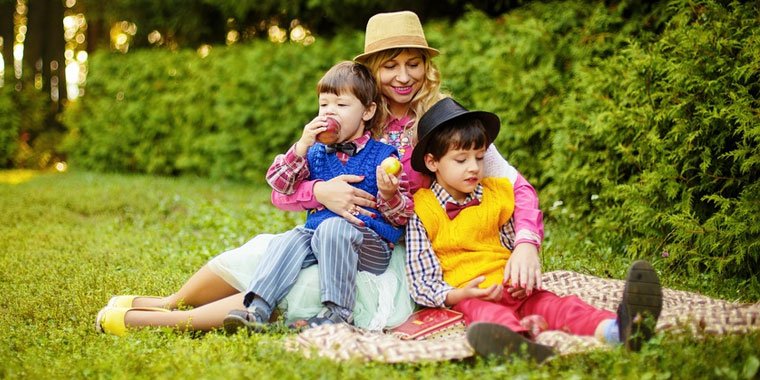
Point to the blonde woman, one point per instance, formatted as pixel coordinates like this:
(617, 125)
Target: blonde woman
(397, 52)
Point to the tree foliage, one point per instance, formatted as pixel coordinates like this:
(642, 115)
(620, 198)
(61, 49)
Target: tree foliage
(24, 140)
(188, 23)
(177, 113)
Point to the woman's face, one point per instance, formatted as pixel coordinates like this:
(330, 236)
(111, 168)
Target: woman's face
(400, 79)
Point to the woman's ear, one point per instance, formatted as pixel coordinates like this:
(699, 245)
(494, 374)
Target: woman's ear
(369, 112)
(430, 162)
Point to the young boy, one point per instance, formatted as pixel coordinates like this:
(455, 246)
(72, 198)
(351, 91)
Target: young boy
(348, 95)
(456, 251)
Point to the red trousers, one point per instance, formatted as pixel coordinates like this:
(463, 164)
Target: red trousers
(569, 314)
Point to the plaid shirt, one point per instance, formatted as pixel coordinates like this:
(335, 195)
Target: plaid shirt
(423, 269)
(290, 169)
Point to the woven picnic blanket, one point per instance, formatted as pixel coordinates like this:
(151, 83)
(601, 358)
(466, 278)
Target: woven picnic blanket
(682, 311)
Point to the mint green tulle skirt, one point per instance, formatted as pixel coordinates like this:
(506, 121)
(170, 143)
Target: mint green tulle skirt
(381, 300)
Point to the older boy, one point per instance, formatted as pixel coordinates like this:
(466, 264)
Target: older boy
(456, 251)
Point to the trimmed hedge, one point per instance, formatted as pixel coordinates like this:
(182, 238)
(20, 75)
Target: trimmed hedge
(9, 126)
(224, 116)
(637, 124)
(24, 140)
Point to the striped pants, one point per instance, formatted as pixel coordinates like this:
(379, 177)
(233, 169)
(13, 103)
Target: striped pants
(339, 247)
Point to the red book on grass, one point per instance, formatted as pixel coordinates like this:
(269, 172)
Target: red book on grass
(426, 322)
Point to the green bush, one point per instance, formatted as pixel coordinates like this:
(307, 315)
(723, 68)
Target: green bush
(24, 143)
(688, 102)
(223, 116)
(9, 126)
(639, 126)
(655, 147)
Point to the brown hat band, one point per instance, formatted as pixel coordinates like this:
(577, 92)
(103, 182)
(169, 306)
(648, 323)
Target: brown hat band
(396, 41)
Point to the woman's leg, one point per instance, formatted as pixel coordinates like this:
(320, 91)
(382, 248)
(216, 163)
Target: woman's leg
(201, 288)
(209, 316)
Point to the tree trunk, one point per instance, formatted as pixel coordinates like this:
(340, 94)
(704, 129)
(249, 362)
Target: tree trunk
(96, 35)
(98, 28)
(53, 48)
(44, 48)
(7, 10)
(33, 44)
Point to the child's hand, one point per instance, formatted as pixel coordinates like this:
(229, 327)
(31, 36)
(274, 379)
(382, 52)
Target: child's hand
(309, 135)
(386, 184)
(492, 293)
(523, 270)
(517, 292)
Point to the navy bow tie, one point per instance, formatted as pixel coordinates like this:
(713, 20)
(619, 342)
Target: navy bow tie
(453, 209)
(348, 148)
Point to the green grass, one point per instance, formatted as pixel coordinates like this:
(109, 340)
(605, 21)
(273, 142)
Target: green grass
(70, 241)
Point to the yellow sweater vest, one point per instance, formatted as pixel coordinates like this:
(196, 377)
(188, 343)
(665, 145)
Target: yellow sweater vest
(468, 246)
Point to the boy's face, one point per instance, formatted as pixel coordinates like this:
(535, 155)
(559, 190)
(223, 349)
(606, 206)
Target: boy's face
(348, 111)
(459, 171)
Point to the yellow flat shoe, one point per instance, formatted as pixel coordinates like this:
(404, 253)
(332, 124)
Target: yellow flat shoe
(110, 320)
(124, 301)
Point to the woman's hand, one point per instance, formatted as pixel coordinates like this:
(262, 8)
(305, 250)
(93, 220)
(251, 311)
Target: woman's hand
(492, 293)
(522, 273)
(338, 196)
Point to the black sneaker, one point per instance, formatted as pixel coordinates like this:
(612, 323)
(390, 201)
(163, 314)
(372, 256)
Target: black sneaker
(641, 305)
(327, 316)
(491, 339)
(254, 321)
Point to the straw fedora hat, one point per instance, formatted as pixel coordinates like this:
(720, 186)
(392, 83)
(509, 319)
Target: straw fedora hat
(394, 30)
(442, 113)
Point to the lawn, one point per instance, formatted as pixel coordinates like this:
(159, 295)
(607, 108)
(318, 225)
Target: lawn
(70, 241)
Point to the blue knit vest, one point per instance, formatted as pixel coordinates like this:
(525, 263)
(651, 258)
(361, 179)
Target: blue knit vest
(327, 166)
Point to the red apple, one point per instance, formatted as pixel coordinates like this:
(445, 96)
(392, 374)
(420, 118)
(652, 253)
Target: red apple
(329, 135)
(391, 165)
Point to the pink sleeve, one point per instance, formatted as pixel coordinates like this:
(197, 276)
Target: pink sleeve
(528, 218)
(417, 180)
(301, 199)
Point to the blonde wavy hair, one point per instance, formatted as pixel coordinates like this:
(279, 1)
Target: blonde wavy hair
(429, 94)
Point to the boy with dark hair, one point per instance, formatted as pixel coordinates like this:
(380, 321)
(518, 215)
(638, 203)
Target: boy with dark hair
(457, 254)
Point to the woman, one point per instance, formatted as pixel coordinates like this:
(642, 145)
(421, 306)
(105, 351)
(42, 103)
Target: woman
(398, 54)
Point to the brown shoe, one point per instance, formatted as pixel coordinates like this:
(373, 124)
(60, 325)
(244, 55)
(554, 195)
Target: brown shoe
(491, 339)
(641, 305)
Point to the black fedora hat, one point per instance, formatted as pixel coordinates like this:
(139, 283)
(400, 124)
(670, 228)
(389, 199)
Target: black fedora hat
(441, 113)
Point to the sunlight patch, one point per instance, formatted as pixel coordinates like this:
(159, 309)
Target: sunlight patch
(14, 177)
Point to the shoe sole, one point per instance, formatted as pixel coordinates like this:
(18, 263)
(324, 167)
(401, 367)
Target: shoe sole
(233, 324)
(491, 339)
(642, 296)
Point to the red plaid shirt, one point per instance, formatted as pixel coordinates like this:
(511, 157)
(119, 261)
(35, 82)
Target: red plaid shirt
(289, 169)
